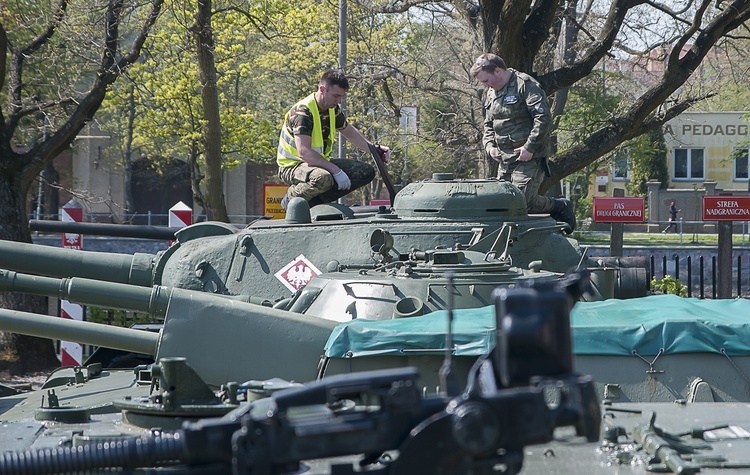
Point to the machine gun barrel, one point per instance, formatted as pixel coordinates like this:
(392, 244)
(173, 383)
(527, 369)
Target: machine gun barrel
(153, 300)
(104, 229)
(126, 339)
(134, 269)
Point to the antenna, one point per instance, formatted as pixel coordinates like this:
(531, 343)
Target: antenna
(448, 380)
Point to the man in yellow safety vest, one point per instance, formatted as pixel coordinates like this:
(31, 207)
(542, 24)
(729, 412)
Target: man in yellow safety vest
(306, 142)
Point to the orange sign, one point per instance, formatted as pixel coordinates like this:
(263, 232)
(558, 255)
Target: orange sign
(272, 195)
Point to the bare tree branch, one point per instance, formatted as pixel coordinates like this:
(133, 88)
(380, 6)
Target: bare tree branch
(108, 72)
(641, 117)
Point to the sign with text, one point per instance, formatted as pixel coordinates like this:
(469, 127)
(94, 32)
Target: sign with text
(272, 195)
(726, 208)
(618, 210)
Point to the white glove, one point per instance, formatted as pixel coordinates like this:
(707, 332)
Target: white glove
(342, 180)
(385, 153)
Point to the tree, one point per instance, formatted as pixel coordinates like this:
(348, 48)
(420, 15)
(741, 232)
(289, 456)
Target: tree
(177, 102)
(48, 66)
(648, 155)
(213, 200)
(671, 42)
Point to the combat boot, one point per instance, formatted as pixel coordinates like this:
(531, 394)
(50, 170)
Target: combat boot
(563, 211)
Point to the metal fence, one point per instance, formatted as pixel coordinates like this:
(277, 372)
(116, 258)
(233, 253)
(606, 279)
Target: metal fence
(699, 274)
(682, 228)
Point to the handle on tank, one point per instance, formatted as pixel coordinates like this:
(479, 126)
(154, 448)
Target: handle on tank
(375, 152)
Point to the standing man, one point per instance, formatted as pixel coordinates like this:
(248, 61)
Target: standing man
(517, 127)
(306, 142)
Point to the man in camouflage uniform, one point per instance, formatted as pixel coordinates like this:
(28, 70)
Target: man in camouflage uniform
(517, 129)
(306, 142)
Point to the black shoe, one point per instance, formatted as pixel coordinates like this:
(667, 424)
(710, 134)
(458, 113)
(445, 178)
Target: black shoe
(563, 211)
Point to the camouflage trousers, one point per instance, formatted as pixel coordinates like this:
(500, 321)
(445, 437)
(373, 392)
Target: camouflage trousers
(527, 176)
(317, 186)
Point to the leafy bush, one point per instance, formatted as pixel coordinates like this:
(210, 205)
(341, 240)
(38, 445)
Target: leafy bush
(669, 285)
(118, 318)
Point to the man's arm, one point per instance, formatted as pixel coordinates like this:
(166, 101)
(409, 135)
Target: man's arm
(488, 135)
(488, 140)
(541, 115)
(356, 138)
(310, 156)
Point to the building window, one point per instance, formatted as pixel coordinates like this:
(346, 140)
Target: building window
(621, 166)
(689, 164)
(739, 156)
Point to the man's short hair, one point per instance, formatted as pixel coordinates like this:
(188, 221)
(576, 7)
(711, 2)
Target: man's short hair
(335, 77)
(487, 62)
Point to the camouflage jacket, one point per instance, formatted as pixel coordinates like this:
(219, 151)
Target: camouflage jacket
(517, 115)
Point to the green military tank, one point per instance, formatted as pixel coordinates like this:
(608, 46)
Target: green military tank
(522, 406)
(272, 259)
(223, 284)
(164, 418)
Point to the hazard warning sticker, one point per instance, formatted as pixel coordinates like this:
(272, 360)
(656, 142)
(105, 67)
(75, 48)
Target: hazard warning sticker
(297, 273)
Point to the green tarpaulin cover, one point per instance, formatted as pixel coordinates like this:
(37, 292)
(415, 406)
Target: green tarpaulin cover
(610, 327)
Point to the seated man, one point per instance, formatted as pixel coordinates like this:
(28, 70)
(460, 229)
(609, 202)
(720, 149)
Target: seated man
(306, 141)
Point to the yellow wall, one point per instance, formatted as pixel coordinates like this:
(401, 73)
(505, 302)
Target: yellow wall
(718, 134)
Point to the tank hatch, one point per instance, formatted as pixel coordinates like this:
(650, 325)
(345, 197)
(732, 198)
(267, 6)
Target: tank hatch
(446, 197)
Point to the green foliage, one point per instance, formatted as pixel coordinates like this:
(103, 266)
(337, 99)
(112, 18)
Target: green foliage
(584, 208)
(590, 104)
(118, 318)
(648, 161)
(669, 285)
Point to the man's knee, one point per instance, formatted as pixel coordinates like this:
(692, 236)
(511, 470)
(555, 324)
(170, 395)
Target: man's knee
(363, 174)
(320, 180)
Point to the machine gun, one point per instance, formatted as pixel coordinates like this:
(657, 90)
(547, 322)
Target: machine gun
(380, 422)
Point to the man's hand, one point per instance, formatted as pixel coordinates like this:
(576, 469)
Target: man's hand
(385, 153)
(523, 154)
(342, 180)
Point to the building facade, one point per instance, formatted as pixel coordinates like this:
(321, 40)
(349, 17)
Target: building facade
(707, 153)
(92, 170)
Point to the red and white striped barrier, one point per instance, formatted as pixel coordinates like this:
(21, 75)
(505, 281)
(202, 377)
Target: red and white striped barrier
(71, 354)
(180, 216)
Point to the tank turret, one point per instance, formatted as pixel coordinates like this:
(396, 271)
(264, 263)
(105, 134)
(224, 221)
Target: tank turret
(164, 418)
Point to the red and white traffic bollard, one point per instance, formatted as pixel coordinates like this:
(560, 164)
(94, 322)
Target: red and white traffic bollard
(180, 216)
(71, 354)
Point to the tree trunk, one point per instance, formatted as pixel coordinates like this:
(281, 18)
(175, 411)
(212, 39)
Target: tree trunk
(128, 165)
(214, 197)
(20, 354)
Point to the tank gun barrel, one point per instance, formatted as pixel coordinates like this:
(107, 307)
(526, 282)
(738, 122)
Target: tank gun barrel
(153, 300)
(43, 326)
(35, 259)
(104, 229)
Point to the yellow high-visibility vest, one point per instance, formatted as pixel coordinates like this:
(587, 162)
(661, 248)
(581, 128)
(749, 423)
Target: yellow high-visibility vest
(287, 154)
